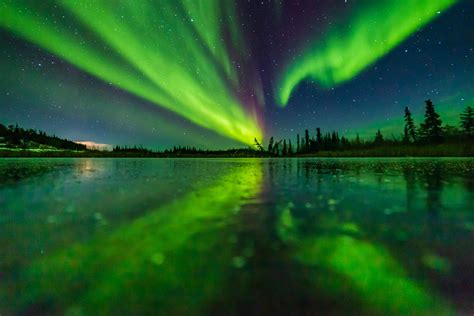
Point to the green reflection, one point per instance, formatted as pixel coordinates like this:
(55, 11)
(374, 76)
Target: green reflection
(358, 271)
(316, 236)
(371, 272)
(174, 260)
(367, 258)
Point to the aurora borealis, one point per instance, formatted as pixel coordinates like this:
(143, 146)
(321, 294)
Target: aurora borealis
(371, 33)
(217, 73)
(173, 58)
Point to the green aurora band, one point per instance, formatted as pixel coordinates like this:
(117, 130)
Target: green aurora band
(347, 48)
(171, 54)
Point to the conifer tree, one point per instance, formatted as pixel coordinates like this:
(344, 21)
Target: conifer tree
(431, 127)
(406, 135)
(378, 138)
(410, 131)
(297, 143)
(306, 139)
(467, 121)
(318, 136)
(270, 145)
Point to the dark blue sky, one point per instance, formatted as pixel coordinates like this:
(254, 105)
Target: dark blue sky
(39, 90)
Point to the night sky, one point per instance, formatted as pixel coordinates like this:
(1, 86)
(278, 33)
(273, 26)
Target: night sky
(216, 73)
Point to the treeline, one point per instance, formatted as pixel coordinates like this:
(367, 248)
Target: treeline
(12, 136)
(132, 149)
(429, 132)
(19, 142)
(189, 151)
(184, 151)
(429, 138)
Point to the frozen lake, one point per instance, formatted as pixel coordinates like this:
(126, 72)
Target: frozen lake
(236, 236)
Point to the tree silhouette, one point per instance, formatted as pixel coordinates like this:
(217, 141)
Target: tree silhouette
(15, 136)
(297, 143)
(306, 139)
(357, 140)
(3, 130)
(319, 138)
(378, 138)
(467, 121)
(410, 131)
(431, 131)
(276, 147)
(270, 145)
(257, 143)
(334, 139)
(431, 127)
(406, 135)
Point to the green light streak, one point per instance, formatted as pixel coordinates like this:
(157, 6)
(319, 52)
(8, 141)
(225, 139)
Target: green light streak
(349, 47)
(51, 86)
(166, 268)
(380, 281)
(171, 54)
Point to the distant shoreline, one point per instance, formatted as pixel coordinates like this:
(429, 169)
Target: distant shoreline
(431, 139)
(441, 150)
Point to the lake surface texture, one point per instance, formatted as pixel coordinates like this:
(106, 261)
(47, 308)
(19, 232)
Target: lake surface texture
(237, 236)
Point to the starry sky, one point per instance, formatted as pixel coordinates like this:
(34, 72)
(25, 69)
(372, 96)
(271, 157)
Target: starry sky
(218, 73)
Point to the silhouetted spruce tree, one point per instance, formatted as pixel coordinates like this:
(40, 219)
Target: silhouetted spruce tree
(410, 130)
(285, 149)
(297, 143)
(276, 147)
(270, 145)
(306, 139)
(467, 121)
(3, 130)
(406, 135)
(327, 141)
(378, 138)
(290, 148)
(357, 140)
(344, 142)
(15, 137)
(318, 136)
(431, 127)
